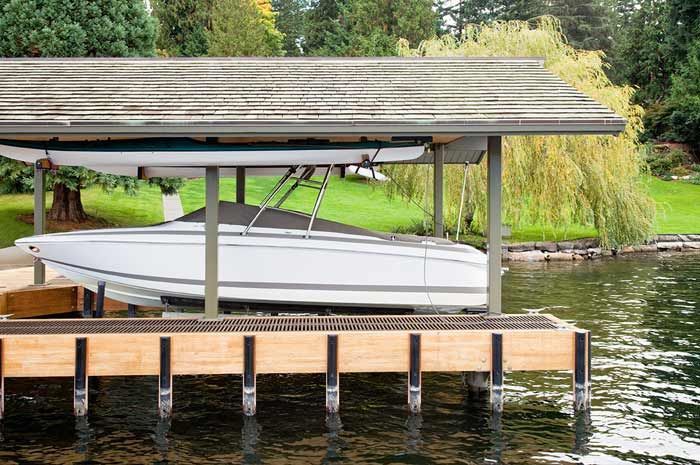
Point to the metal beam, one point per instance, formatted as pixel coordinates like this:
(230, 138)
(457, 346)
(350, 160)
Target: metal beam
(39, 217)
(494, 225)
(211, 244)
(240, 184)
(438, 189)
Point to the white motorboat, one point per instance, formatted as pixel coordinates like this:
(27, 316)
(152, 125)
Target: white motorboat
(337, 266)
(270, 257)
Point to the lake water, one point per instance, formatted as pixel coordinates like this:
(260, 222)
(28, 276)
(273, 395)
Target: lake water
(644, 315)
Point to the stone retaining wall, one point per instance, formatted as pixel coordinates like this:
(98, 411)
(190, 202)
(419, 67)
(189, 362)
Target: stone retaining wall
(585, 249)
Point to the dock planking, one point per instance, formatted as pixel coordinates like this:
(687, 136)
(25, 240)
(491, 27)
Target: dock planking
(248, 346)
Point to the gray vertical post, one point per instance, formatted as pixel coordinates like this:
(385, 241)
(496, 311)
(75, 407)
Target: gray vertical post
(332, 389)
(240, 184)
(165, 379)
(414, 375)
(438, 189)
(87, 302)
(2, 384)
(131, 310)
(581, 374)
(39, 216)
(80, 382)
(211, 241)
(249, 375)
(100, 300)
(589, 368)
(497, 372)
(494, 225)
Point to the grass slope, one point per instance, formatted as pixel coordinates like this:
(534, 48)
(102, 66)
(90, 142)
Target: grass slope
(350, 200)
(677, 206)
(116, 208)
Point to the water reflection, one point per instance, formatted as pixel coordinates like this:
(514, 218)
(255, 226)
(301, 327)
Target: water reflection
(250, 432)
(643, 312)
(334, 450)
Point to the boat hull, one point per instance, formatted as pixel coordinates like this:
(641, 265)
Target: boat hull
(144, 265)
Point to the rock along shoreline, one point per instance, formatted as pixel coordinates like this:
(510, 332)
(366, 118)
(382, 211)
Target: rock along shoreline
(587, 249)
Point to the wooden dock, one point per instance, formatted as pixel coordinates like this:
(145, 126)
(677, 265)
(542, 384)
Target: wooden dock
(333, 345)
(19, 298)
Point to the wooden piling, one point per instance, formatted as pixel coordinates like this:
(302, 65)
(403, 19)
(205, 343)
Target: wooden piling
(332, 385)
(249, 375)
(165, 379)
(80, 380)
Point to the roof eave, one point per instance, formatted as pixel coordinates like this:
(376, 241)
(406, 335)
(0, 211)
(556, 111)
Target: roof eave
(606, 126)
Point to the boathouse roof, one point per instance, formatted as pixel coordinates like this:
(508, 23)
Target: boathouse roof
(293, 96)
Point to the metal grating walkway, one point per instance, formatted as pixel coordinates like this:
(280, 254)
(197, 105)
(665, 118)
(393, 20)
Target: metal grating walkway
(282, 324)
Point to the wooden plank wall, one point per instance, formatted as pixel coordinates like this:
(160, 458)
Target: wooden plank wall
(292, 352)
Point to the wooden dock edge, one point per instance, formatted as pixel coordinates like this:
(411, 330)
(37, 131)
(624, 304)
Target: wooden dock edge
(49, 299)
(413, 352)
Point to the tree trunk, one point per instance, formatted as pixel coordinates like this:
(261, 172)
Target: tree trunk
(67, 205)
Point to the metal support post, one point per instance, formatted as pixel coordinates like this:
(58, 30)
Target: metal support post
(87, 302)
(80, 382)
(581, 370)
(414, 375)
(100, 302)
(497, 372)
(131, 310)
(332, 389)
(165, 379)
(438, 189)
(2, 384)
(211, 244)
(494, 225)
(249, 375)
(240, 184)
(39, 217)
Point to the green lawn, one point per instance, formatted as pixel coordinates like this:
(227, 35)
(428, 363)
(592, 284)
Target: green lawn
(677, 206)
(116, 208)
(350, 200)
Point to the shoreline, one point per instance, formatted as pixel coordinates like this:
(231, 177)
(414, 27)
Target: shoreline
(589, 249)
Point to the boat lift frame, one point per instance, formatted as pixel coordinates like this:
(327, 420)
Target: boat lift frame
(212, 176)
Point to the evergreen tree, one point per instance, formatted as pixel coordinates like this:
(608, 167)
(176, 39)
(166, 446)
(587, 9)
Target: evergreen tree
(291, 16)
(639, 56)
(369, 27)
(458, 13)
(183, 26)
(244, 28)
(585, 23)
(73, 28)
(324, 33)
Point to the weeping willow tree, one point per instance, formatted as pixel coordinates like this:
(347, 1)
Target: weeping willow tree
(551, 181)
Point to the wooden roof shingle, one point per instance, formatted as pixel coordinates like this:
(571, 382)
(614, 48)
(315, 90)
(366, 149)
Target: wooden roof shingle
(294, 96)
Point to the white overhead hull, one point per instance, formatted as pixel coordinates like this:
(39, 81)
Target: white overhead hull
(142, 265)
(162, 160)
